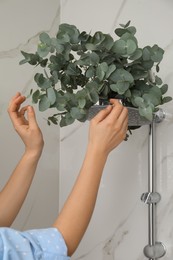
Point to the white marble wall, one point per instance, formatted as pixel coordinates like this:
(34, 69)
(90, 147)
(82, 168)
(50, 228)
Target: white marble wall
(118, 229)
(20, 23)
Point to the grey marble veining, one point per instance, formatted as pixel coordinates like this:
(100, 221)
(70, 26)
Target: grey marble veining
(118, 229)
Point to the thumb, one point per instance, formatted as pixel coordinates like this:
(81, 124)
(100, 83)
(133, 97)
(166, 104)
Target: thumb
(103, 114)
(31, 116)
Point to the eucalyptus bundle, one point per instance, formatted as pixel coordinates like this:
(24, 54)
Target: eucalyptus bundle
(80, 69)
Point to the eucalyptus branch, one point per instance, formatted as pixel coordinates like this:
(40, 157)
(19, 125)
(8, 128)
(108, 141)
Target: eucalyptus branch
(92, 67)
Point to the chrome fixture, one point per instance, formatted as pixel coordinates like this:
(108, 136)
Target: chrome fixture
(154, 249)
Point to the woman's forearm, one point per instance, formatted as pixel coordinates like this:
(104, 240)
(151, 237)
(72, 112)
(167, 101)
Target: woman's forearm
(14, 193)
(107, 130)
(77, 211)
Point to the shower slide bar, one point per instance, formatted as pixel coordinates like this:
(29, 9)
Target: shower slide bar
(154, 249)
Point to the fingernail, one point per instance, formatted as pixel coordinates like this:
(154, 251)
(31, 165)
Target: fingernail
(29, 108)
(108, 107)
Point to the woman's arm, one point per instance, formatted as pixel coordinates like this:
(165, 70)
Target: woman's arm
(107, 130)
(14, 193)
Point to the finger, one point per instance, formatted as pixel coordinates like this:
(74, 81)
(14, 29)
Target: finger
(125, 127)
(116, 111)
(15, 103)
(21, 115)
(16, 95)
(123, 115)
(102, 114)
(13, 98)
(125, 124)
(31, 117)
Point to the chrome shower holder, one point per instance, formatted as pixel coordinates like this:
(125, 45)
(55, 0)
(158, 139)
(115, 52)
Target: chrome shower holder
(151, 197)
(154, 249)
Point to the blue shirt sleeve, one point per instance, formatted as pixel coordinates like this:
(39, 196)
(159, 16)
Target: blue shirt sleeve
(41, 244)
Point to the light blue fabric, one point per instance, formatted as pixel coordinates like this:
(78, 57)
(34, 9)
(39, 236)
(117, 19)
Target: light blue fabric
(36, 244)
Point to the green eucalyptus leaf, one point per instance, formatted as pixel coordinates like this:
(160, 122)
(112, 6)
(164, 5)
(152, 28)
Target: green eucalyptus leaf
(98, 38)
(157, 55)
(41, 81)
(146, 53)
(166, 99)
(57, 45)
(146, 112)
(147, 65)
(44, 103)
(158, 80)
(139, 74)
(101, 70)
(68, 30)
(110, 70)
(108, 42)
(72, 69)
(88, 59)
(92, 91)
(32, 59)
(164, 89)
(81, 102)
(120, 87)
(151, 99)
(93, 96)
(105, 90)
(121, 75)
(125, 25)
(131, 29)
(43, 50)
(35, 96)
(131, 47)
(51, 95)
(120, 31)
(55, 77)
(90, 72)
(156, 91)
(53, 120)
(61, 102)
(104, 66)
(120, 47)
(77, 113)
(157, 67)
(139, 102)
(67, 119)
(44, 38)
(100, 73)
(91, 46)
(128, 36)
(127, 93)
(136, 55)
(63, 122)
(94, 58)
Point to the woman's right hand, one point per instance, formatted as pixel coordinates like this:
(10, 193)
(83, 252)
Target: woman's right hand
(108, 128)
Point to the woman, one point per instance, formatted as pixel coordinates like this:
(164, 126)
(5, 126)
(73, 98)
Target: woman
(60, 241)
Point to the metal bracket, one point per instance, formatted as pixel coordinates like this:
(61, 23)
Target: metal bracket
(151, 197)
(156, 251)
